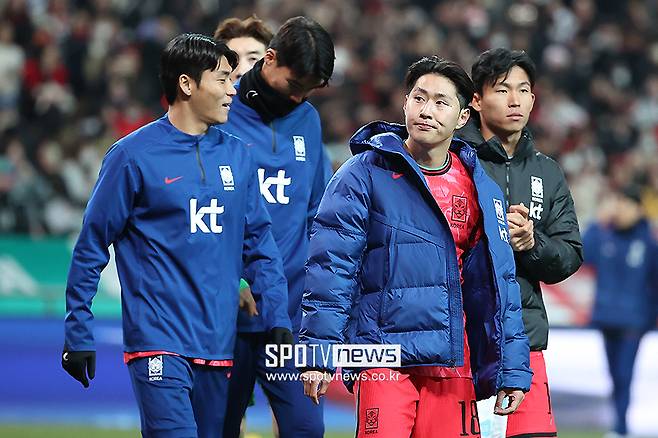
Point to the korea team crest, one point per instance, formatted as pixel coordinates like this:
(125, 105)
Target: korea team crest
(537, 197)
(500, 211)
(155, 366)
(459, 208)
(537, 187)
(226, 174)
(500, 216)
(372, 419)
(300, 147)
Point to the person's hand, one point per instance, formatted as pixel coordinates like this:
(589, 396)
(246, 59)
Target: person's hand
(80, 364)
(316, 384)
(281, 336)
(521, 229)
(514, 396)
(247, 301)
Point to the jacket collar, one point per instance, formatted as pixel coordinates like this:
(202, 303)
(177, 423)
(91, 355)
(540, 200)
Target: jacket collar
(492, 149)
(388, 138)
(255, 92)
(241, 105)
(175, 135)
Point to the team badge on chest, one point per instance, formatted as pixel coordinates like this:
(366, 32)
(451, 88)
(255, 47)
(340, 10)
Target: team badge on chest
(537, 197)
(226, 175)
(459, 208)
(300, 147)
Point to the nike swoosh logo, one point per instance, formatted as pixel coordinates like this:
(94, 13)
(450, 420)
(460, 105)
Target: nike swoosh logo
(171, 180)
(397, 175)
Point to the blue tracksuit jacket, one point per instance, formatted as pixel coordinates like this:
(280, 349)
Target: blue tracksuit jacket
(626, 265)
(186, 220)
(291, 171)
(383, 268)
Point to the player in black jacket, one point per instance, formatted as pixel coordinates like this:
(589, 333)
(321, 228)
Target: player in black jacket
(543, 226)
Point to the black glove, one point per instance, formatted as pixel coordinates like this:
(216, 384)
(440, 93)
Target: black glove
(79, 364)
(281, 336)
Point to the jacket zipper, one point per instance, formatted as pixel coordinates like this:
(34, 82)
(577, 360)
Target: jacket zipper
(198, 159)
(507, 171)
(498, 303)
(452, 361)
(273, 137)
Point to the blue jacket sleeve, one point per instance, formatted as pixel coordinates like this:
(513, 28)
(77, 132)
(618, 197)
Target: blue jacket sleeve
(591, 245)
(320, 180)
(108, 210)
(263, 266)
(338, 238)
(516, 348)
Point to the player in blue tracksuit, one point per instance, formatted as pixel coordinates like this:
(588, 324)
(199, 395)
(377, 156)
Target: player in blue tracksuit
(622, 249)
(283, 131)
(178, 201)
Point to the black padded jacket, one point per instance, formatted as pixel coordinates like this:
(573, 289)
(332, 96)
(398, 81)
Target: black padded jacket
(537, 181)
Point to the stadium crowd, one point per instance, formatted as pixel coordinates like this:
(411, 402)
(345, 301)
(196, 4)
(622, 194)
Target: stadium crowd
(77, 75)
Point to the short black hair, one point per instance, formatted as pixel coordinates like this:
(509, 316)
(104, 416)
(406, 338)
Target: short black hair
(305, 47)
(191, 54)
(632, 191)
(494, 63)
(440, 66)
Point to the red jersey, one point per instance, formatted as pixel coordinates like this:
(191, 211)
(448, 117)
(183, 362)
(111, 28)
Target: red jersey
(454, 191)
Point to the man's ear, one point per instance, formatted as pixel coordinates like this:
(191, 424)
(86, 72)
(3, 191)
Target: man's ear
(185, 85)
(270, 57)
(463, 117)
(476, 102)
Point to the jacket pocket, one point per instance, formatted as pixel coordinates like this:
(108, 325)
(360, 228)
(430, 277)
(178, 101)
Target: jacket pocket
(374, 270)
(415, 297)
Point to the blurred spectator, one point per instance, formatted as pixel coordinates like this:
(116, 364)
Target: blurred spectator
(12, 58)
(622, 249)
(23, 191)
(65, 62)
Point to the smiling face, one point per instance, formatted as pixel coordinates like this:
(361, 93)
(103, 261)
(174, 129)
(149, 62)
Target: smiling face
(432, 111)
(210, 100)
(249, 50)
(505, 105)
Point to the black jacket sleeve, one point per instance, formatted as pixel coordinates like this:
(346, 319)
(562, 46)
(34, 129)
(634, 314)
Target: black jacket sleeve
(558, 250)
